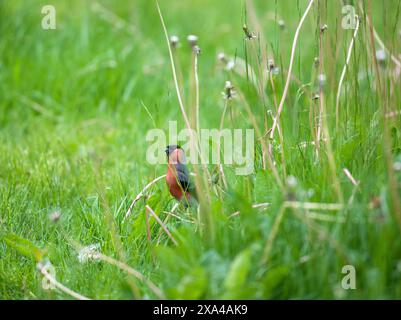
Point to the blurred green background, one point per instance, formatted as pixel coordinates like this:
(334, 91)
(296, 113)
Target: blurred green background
(75, 106)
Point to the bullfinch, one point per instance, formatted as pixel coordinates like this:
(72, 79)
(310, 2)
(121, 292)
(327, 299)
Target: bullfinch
(177, 177)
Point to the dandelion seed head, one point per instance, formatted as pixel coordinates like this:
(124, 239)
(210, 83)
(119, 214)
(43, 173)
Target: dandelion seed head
(304, 259)
(292, 181)
(397, 166)
(55, 216)
(230, 65)
(192, 40)
(45, 267)
(381, 56)
(228, 85)
(281, 24)
(322, 80)
(90, 252)
(221, 57)
(174, 40)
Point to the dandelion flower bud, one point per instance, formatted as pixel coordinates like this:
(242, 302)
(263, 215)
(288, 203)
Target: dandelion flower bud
(197, 50)
(248, 34)
(272, 67)
(323, 28)
(316, 62)
(270, 64)
(228, 91)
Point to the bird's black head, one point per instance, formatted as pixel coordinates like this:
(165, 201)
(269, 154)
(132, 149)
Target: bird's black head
(171, 148)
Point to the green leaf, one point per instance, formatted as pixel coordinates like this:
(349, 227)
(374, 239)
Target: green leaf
(191, 286)
(272, 279)
(238, 271)
(23, 246)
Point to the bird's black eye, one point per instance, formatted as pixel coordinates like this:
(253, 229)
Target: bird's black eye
(171, 148)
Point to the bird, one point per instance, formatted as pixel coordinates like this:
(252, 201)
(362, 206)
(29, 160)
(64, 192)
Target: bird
(177, 177)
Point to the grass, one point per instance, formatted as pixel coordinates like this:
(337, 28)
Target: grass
(76, 103)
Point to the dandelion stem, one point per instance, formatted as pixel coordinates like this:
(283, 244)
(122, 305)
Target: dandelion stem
(177, 87)
(272, 235)
(287, 83)
(344, 71)
(196, 92)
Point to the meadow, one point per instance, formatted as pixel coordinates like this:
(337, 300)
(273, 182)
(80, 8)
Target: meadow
(323, 98)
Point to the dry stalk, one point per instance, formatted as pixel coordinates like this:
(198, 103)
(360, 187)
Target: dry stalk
(141, 194)
(150, 210)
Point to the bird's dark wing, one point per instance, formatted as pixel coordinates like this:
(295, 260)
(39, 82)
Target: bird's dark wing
(184, 181)
(183, 176)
